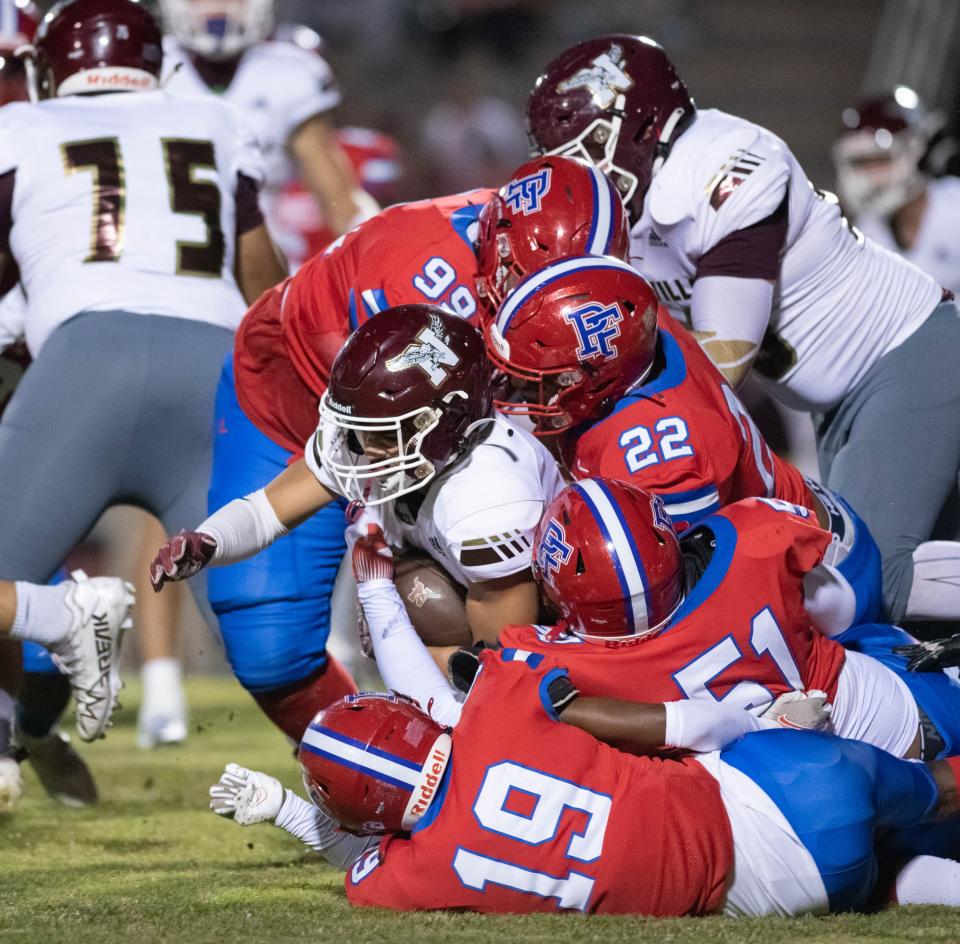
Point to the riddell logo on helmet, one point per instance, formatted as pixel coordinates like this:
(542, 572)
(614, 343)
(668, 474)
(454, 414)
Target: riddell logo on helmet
(604, 78)
(429, 781)
(96, 79)
(339, 407)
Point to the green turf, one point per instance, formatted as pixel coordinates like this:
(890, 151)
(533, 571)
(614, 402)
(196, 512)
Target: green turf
(152, 864)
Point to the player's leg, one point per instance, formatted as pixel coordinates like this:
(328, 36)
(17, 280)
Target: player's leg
(892, 449)
(11, 676)
(274, 609)
(162, 718)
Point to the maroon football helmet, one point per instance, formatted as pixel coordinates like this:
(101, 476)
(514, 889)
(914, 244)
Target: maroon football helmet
(97, 46)
(18, 23)
(373, 762)
(616, 101)
(878, 154)
(608, 560)
(574, 336)
(551, 207)
(404, 392)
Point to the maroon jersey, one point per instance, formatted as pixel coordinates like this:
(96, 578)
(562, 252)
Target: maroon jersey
(287, 342)
(536, 815)
(686, 437)
(740, 636)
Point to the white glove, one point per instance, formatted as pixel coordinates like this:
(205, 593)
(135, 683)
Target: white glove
(808, 711)
(248, 796)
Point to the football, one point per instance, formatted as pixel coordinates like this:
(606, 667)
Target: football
(434, 601)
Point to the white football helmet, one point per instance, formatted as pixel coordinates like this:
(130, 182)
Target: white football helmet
(218, 29)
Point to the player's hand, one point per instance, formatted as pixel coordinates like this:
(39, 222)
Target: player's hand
(372, 557)
(248, 796)
(184, 555)
(933, 655)
(808, 711)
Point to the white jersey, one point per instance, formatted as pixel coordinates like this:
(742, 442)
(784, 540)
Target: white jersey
(840, 302)
(478, 516)
(277, 87)
(125, 201)
(936, 248)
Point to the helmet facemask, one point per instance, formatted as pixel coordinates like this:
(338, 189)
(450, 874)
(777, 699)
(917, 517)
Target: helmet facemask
(402, 467)
(878, 172)
(218, 30)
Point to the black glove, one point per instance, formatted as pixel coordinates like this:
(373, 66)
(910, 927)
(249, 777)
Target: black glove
(932, 656)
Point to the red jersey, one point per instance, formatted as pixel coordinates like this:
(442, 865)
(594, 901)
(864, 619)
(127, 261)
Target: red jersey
(685, 436)
(287, 342)
(536, 815)
(742, 634)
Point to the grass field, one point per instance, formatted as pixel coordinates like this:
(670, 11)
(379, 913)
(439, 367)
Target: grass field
(152, 864)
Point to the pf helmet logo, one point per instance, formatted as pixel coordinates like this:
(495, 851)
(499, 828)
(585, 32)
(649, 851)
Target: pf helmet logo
(554, 551)
(596, 326)
(604, 78)
(430, 352)
(525, 194)
(661, 519)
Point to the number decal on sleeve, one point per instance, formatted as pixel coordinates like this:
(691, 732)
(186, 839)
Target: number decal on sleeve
(198, 197)
(188, 194)
(101, 156)
(551, 797)
(671, 443)
(695, 679)
(437, 278)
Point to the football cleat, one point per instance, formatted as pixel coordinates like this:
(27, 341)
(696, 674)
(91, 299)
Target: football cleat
(90, 653)
(62, 771)
(160, 731)
(11, 784)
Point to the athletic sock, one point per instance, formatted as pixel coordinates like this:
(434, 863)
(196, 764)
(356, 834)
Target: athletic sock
(292, 708)
(162, 688)
(928, 880)
(41, 702)
(42, 613)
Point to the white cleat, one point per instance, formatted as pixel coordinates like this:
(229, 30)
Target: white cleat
(160, 731)
(100, 614)
(11, 784)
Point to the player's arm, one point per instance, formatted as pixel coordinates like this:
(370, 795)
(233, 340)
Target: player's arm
(506, 601)
(733, 292)
(249, 797)
(326, 172)
(242, 527)
(258, 264)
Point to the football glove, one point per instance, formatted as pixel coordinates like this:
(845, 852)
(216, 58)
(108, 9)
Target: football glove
(372, 557)
(808, 711)
(247, 796)
(184, 555)
(933, 655)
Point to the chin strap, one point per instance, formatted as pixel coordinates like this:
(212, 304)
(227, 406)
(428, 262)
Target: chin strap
(665, 143)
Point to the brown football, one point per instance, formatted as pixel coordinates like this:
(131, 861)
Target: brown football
(434, 601)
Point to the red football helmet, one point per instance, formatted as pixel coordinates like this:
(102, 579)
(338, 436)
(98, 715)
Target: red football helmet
(18, 23)
(97, 46)
(576, 335)
(551, 207)
(374, 762)
(616, 101)
(404, 393)
(878, 154)
(607, 558)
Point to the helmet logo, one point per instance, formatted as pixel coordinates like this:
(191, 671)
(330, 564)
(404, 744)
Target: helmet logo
(661, 518)
(525, 194)
(596, 326)
(604, 78)
(553, 551)
(430, 352)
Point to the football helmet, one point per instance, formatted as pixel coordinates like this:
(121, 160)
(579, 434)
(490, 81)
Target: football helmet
(551, 207)
(218, 30)
(574, 336)
(878, 154)
(608, 560)
(616, 101)
(96, 46)
(18, 23)
(373, 762)
(405, 392)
